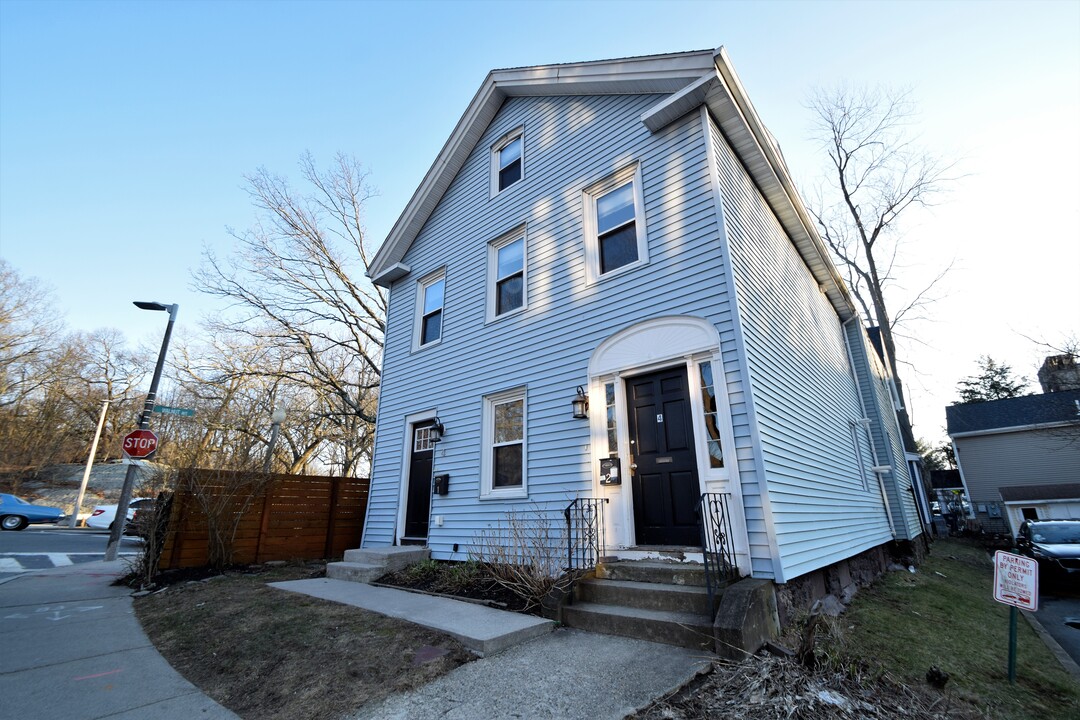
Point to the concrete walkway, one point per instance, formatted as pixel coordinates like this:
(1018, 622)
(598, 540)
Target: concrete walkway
(482, 629)
(537, 672)
(73, 648)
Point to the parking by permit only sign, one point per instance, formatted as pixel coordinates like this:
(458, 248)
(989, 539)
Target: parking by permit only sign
(1016, 580)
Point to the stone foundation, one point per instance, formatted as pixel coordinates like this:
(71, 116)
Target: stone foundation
(843, 579)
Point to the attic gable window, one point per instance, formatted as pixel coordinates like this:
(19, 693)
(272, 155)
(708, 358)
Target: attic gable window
(615, 235)
(429, 309)
(507, 161)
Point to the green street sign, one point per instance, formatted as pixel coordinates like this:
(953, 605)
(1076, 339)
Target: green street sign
(166, 410)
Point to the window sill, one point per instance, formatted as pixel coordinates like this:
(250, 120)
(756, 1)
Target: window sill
(603, 277)
(508, 314)
(510, 494)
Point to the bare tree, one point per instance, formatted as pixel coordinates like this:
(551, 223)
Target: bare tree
(876, 173)
(29, 335)
(297, 285)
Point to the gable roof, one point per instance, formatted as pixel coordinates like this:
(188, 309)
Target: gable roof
(690, 79)
(1014, 413)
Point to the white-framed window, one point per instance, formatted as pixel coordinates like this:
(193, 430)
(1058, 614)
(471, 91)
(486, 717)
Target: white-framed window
(714, 447)
(429, 309)
(508, 161)
(615, 234)
(507, 274)
(505, 455)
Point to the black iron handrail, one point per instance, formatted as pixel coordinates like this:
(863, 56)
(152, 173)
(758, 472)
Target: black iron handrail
(717, 545)
(584, 533)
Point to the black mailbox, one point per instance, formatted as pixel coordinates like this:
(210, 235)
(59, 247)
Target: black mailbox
(609, 471)
(442, 484)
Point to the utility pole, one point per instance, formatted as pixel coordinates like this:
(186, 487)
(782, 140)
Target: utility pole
(89, 465)
(117, 531)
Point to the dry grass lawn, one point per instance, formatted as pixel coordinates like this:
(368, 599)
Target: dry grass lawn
(267, 653)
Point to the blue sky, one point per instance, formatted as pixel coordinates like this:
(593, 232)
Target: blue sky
(126, 129)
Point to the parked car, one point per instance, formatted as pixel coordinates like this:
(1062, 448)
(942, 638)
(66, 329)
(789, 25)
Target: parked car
(16, 513)
(103, 515)
(1055, 544)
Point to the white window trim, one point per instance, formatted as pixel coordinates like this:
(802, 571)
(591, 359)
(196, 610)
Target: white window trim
(493, 270)
(418, 316)
(487, 492)
(518, 132)
(589, 222)
(708, 473)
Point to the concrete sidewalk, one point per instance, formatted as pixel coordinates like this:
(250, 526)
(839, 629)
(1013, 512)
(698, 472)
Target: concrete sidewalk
(73, 648)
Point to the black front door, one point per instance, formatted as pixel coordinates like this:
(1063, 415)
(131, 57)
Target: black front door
(418, 495)
(665, 481)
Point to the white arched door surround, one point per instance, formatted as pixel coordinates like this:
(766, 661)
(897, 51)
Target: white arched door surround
(647, 346)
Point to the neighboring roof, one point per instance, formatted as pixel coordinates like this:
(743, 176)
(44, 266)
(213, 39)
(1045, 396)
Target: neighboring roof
(690, 79)
(1067, 491)
(1021, 412)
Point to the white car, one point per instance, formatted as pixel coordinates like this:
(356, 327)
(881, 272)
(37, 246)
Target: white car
(103, 515)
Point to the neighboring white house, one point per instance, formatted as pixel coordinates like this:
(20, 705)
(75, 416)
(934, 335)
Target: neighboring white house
(628, 227)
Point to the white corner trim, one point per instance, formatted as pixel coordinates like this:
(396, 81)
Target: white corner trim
(740, 343)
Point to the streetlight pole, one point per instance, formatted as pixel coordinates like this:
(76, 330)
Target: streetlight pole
(117, 530)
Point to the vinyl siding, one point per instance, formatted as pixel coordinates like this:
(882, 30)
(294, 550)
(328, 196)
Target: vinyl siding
(570, 143)
(1024, 458)
(885, 432)
(802, 389)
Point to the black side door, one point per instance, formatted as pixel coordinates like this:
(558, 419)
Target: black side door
(418, 495)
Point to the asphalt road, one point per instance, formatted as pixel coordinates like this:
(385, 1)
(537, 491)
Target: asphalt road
(39, 547)
(1059, 614)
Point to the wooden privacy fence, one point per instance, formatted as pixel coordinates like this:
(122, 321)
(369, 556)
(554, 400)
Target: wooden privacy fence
(283, 517)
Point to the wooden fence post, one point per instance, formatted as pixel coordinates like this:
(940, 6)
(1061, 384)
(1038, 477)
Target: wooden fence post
(176, 522)
(264, 521)
(331, 523)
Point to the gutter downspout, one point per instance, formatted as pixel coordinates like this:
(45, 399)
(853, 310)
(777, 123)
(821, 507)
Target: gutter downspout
(865, 422)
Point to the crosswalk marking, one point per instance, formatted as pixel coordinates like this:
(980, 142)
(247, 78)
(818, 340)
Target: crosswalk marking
(12, 563)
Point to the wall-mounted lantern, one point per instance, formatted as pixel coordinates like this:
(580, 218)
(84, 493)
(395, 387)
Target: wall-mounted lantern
(581, 404)
(437, 431)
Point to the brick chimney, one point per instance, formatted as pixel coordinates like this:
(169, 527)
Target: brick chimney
(1058, 373)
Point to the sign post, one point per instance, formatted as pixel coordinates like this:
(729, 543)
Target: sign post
(1016, 584)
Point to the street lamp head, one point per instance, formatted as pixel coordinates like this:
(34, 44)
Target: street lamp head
(146, 305)
(278, 416)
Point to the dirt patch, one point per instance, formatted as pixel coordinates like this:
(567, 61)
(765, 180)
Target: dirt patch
(465, 581)
(767, 688)
(267, 653)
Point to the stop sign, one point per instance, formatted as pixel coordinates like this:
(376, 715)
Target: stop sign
(140, 443)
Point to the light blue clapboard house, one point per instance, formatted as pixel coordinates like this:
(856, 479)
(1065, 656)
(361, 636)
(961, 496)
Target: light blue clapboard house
(628, 227)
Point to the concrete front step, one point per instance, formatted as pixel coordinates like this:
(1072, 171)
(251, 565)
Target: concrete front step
(688, 630)
(646, 595)
(372, 563)
(653, 571)
(392, 558)
(354, 572)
